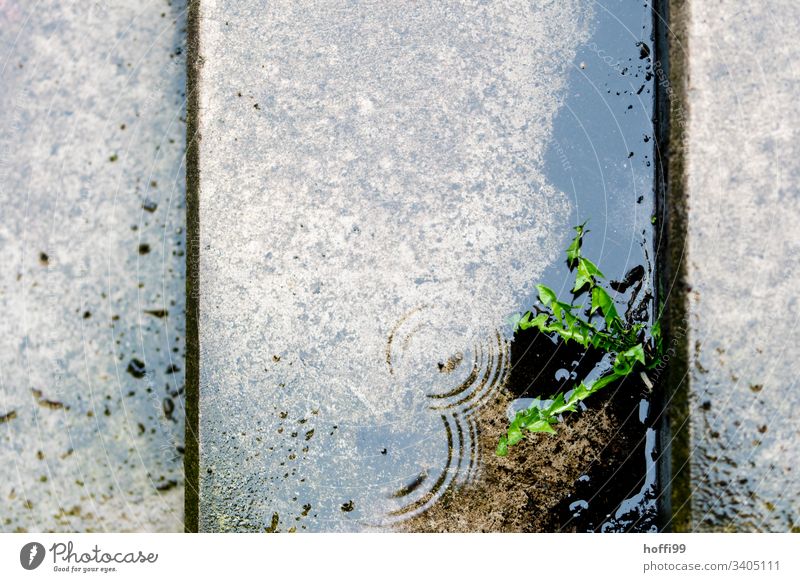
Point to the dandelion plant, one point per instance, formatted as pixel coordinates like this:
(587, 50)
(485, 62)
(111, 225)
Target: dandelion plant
(598, 325)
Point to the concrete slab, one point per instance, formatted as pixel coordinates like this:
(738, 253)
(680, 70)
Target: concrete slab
(372, 207)
(91, 239)
(743, 208)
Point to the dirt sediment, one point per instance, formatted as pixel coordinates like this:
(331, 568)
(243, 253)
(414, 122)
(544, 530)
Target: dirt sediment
(523, 491)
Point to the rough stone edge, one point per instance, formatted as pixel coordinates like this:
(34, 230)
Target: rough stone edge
(192, 445)
(672, 103)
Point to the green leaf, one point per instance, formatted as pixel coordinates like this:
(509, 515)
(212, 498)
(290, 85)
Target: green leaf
(574, 335)
(625, 361)
(514, 435)
(546, 295)
(562, 311)
(502, 447)
(580, 392)
(590, 268)
(602, 300)
(560, 406)
(658, 342)
(521, 321)
(655, 331)
(533, 412)
(581, 280)
(541, 426)
(623, 367)
(635, 353)
(603, 382)
(636, 328)
(586, 274)
(574, 249)
(539, 321)
(598, 341)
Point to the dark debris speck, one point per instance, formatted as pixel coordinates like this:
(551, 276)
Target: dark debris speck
(136, 368)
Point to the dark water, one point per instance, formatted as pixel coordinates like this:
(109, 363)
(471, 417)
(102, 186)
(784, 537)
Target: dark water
(603, 153)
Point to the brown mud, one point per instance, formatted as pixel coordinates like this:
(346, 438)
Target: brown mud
(574, 480)
(526, 491)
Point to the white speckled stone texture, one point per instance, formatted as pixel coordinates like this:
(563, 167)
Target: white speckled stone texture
(743, 269)
(91, 169)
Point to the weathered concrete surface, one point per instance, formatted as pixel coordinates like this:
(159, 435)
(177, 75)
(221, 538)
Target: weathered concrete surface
(743, 265)
(373, 207)
(91, 243)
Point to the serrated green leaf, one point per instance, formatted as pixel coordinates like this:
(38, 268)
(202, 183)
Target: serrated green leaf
(546, 295)
(574, 335)
(574, 249)
(521, 321)
(603, 382)
(539, 321)
(635, 353)
(602, 300)
(541, 426)
(590, 268)
(514, 436)
(560, 406)
(558, 401)
(586, 274)
(580, 392)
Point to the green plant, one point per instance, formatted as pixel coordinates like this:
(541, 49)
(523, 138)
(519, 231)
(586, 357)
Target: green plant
(628, 345)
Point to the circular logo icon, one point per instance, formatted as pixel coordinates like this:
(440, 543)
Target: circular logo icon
(31, 555)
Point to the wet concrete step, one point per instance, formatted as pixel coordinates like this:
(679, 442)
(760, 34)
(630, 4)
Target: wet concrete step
(741, 268)
(92, 284)
(371, 197)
